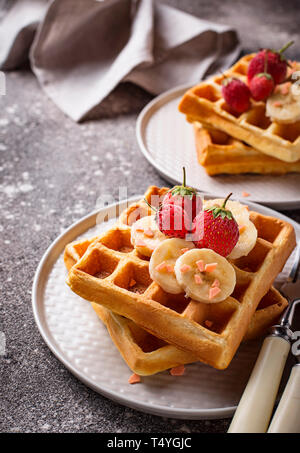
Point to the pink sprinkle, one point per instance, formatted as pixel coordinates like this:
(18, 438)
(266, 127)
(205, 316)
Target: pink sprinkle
(134, 379)
(140, 244)
(200, 265)
(278, 104)
(213, 292)
(178, 370)
(182, 251)
(132, 282)
(242, 228)
(215, 283)
(170, 268)
(292, 69)
(208, 323)
(285, 88)
(149, 233)
(245, 194)
(198, 279)
(210, 267)
(185, 268)
(161, 267)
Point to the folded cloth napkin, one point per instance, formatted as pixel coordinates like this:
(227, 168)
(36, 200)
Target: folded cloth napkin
(81, 49)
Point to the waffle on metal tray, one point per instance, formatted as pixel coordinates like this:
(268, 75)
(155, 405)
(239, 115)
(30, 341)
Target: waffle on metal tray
(104, 272)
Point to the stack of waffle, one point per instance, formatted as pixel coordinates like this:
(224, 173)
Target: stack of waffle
(155, 330)
(233, 143)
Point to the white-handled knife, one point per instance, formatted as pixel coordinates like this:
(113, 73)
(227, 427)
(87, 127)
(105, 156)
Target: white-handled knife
(256, 405)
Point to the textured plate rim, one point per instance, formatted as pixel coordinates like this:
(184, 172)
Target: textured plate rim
(141, 125)
(54, 251)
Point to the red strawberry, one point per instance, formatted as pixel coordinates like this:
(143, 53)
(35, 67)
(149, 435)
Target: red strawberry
(215, 228)
(173, 221)
(236, 93)
(184, 196)
(277, 64)
(261, 86)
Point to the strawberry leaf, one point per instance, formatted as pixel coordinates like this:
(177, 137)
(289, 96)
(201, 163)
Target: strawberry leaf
(183, 190)
(220, 210)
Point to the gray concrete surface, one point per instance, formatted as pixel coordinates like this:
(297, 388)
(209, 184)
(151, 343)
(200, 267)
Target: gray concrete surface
(51, 173)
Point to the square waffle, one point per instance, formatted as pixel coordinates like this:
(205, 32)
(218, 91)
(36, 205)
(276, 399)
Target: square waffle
(146, 354)
(219, 153)
(104, 273)
(204, 103)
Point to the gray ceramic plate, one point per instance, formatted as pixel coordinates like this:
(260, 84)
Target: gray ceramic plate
(167, 141)
(76, 336)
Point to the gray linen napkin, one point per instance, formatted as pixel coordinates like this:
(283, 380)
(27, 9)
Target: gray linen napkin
(83, 48)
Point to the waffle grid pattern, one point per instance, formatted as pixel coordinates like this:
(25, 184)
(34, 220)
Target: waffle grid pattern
(105, 272)
(205, 103)
(146, 354)
(219, 153)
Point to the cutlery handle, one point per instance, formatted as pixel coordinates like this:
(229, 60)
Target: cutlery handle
(255, 408)
(287, 416)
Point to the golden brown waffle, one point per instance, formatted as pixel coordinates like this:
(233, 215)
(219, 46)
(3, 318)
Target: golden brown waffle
(104, 273)
(204, 103)
(146, 354)
(219, 153)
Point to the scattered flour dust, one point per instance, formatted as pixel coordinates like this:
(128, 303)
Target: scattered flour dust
(22, 186)
(12, 190)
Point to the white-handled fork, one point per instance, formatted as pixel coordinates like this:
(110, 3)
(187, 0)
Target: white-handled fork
(287, 416)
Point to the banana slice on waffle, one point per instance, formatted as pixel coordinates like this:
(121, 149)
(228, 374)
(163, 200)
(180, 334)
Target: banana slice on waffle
(284, 107)
(162, 263)
(205, 275)
(248, 232)
(246, 242)
(145, 235)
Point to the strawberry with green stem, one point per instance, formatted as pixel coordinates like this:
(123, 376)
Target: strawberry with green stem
(172, 220)
(236, 94)
(215, 228)
(277, 64)
(262, 84)
(184, 196)
(175, 214)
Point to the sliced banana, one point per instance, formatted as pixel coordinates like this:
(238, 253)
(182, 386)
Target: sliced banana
(246, 242)
(248, 232)
(162, 263)
(284, 108)
(145, 235)
(205, 275)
